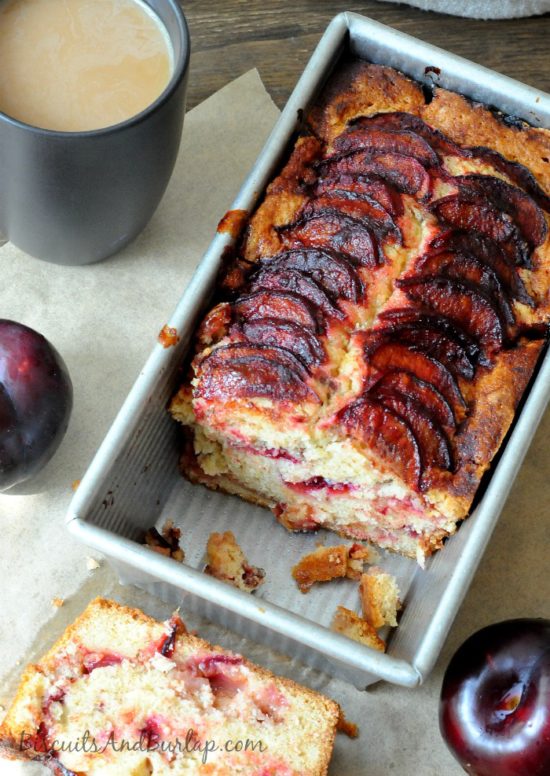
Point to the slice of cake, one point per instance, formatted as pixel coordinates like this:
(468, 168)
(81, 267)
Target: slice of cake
(121, 694)
(383, 315)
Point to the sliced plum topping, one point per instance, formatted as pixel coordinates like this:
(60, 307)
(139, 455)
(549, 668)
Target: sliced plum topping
(515, 171)
(522, 209)
(433, 402)
(276, 304)
(236, 350)
(470, 269)
(253, 376)
(425, 320)
(293, 280)
(399, 120)
(473, 212)
(403, 172)
(379, 141)
(391, 436)
(433, 444)
(363, 207)
(328, 228)
(333, 273)
(288, 335)
(472, 310)
(487, 251)
(386, 356)
(372, 187)
(433, 343)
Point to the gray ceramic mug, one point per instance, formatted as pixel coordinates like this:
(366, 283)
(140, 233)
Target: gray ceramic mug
(78, 197)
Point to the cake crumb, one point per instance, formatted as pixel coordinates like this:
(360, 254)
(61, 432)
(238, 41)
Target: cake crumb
(327, 563)
(379, 595)
(346, 727)
(91, 563)
(58, 602)
(226, 561)
(168, 336)
(75, 484)
(166, 543)
(349, 624)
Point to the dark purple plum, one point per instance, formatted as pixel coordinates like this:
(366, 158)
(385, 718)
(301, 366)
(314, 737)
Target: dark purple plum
(36, 398)
(494, 710)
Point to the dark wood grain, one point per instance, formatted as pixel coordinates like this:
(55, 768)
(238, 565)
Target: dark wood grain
(277, 36)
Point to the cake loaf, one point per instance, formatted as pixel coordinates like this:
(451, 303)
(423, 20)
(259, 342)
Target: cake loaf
(121, 694)
(374, 334)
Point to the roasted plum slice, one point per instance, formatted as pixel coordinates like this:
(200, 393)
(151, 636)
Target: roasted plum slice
(252, 376)
(380, 141)
(403, 172)
(328, 228)
(372, 187)
(391, 436)
(292, 280)
(433, 445)
(288, 335)
(400, 120)
(362, 207)
(283, 305)
(406, 384)
(470, 269)
(333, 273)
(472, 310)
(521, 208)
(433, 343)
(386, 355)
(238, 350)
(421, 319)
(487, 251)
(513, 170)
(472, 211)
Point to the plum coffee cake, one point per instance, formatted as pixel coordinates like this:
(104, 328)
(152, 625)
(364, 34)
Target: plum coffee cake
(121, 694)
(381, 317)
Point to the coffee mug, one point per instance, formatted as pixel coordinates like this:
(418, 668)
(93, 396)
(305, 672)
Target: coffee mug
(78, 197)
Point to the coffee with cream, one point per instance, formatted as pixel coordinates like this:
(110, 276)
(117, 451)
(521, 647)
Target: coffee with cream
(77, 65)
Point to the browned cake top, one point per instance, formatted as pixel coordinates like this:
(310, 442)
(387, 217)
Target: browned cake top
(393, 285)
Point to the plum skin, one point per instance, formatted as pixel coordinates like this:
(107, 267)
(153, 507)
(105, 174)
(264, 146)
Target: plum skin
(36, 398)
(494, 710)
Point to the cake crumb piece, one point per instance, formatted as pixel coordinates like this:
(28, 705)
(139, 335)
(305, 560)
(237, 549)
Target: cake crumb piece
(379, 597)
(326, 563)
(166, 543)
(346, 727)
(349, 624)
(74, 485)
(358, 555)
(168, 336)
(58, 602)
(91, 563)
(226, 561)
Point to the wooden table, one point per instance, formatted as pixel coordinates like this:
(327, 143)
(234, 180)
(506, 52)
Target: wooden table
(277, 36)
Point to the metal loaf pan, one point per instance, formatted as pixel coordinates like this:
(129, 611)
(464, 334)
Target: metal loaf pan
(134, 481)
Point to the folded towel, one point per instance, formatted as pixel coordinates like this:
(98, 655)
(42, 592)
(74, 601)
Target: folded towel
(482, 9)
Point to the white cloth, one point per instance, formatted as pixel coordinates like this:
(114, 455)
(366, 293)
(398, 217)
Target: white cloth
(482, 9)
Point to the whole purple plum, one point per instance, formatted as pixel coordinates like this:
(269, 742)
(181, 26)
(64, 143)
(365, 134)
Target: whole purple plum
(36, 398)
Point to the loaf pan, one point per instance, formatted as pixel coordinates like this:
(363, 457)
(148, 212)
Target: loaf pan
(134, 482)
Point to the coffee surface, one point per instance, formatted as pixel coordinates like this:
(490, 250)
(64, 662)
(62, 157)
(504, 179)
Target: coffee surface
(76, 65)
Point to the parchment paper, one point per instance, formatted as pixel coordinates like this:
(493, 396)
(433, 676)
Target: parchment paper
(104, 320)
